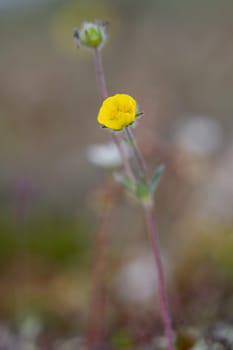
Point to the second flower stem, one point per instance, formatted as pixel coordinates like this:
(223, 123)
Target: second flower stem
(138, 156)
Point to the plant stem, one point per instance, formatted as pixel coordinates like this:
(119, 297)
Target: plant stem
(124, 158)
(104, 94)
(101, 82)
(163, 300)
(138, 156)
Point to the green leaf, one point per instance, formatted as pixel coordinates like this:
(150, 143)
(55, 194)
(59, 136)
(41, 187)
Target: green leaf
(124, 181)
(156, 177)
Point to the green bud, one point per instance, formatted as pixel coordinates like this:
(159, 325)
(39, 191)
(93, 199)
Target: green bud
(91, 35)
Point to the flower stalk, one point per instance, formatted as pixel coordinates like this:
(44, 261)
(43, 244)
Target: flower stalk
(100, 77)
(138, 156)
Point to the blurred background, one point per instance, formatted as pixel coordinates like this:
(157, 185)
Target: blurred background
(175, 58)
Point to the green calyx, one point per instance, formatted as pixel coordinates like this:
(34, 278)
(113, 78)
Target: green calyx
(92, 35)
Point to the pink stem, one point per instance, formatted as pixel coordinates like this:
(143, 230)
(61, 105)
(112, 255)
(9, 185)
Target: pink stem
(138, 156)
(100, 74)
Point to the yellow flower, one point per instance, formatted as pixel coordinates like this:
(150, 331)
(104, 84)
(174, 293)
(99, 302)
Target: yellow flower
(117, 112)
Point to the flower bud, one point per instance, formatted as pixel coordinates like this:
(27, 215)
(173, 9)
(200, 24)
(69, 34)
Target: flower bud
(91, 35)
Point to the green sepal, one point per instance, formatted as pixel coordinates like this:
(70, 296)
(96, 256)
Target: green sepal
(139, 114)
(156, 177)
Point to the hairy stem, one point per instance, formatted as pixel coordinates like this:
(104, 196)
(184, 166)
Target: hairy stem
(163, 300)
(101, 82)
(137, 153)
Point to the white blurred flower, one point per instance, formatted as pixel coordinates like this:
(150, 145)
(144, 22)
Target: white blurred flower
(30, 328)
(8, 340)
(70, 344)
(137, 281)
(200, 135)
(107, 155)
(225, 331)
(215, 200)
(201, 345)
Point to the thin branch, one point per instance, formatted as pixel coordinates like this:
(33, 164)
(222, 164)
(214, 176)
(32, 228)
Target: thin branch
(101, 82)
(138, 155)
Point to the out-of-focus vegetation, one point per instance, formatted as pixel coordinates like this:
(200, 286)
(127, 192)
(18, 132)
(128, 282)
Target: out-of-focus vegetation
(175, 58)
